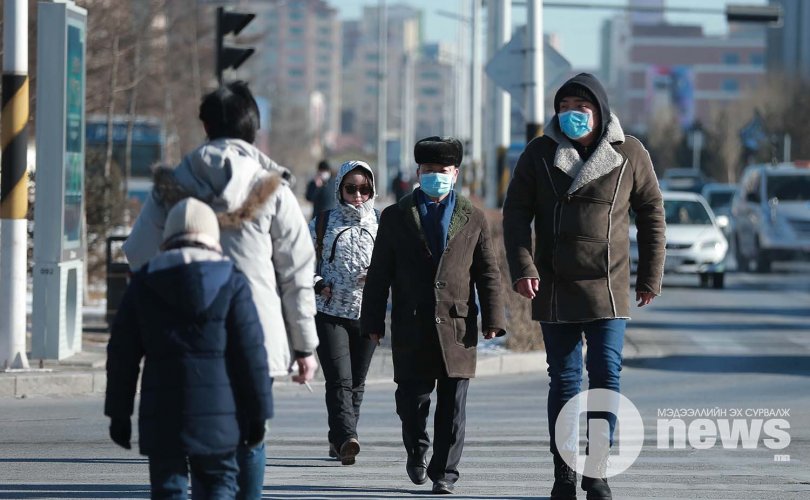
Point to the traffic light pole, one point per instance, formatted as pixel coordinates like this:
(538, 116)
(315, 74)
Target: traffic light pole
(534, 70)
(14, 187)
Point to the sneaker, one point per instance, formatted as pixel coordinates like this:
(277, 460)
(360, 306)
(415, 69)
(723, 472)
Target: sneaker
(348, 451)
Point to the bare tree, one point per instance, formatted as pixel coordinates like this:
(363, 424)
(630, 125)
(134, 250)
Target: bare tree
(664, 139)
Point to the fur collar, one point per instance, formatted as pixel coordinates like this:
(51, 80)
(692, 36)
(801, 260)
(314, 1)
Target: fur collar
(169, 192)
(460, 217)
(602, 161)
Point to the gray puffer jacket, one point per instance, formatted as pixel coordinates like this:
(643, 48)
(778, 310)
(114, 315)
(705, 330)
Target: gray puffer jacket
(347, 246)
(263, 231)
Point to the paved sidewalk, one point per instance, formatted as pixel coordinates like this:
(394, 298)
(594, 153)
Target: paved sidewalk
(84, 373)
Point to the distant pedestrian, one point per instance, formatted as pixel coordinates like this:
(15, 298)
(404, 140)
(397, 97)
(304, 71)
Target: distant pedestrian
(434, 252)
(400, 186)
(344, 239)
(263, 231)
(574, 187)
(189, 314)
(321, 189)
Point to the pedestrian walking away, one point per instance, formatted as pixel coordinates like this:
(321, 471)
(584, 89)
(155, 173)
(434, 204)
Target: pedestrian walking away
(205, 388)
(433, 251)
(576, 186)
(344, 240)
(263, 232)
(321, 189)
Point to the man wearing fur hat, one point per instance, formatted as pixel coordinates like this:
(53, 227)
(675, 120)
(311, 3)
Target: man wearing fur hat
(577, 184)
(434, 252)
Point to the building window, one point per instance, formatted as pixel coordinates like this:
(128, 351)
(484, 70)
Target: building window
(429, 75)
(296, 73)
(758, 59)
(295, 44)
(296, 30)
(295, 14)
(429, 91)
(731, 85)
(731, 58)
(371, 89)
(295, 58)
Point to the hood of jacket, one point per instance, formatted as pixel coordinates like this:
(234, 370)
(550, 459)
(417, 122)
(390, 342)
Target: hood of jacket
(592, 85)
(231, 175)
(367, 207)
(188, 279)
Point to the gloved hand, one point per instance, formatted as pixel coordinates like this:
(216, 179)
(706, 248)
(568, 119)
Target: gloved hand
(121, 431)
(255, 433)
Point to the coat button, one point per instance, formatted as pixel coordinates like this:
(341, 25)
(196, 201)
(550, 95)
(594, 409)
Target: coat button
(438, 321)
(440, 284)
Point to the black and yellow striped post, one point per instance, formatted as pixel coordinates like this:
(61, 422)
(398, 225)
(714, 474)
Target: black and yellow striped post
(14, 186)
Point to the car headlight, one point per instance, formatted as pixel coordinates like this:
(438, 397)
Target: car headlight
(711, 245)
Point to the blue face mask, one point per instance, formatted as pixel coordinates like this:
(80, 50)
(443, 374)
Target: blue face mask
(436, 185)
(574, 124)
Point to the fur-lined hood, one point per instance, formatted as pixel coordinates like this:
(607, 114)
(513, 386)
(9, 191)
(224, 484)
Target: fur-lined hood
(603, 160)
(232, 176)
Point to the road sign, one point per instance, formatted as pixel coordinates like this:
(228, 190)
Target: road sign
(506, 67)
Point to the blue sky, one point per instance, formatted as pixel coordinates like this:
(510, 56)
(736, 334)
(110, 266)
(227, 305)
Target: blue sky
(578, 30)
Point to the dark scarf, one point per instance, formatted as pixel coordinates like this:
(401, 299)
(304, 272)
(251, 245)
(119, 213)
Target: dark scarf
(435, 218)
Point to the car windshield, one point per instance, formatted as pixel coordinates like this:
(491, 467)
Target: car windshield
(719, 199)
(686, 212)
(789, 187)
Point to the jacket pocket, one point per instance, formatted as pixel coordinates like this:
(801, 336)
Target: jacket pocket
(581, 257)
(465, 323)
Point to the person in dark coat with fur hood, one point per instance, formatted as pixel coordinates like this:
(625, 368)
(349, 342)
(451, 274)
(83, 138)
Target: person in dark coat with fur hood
(433, 251)
(190, 315)
(576, 185)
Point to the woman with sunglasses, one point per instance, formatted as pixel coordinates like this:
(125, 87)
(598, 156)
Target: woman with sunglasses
(344, 240)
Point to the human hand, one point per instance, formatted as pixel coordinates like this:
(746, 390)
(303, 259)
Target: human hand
(375, 337)
(255, 433)
(121, 431)
(528, 287)
(491, 333)
(327, 292)
(306, 369)
(644, 298)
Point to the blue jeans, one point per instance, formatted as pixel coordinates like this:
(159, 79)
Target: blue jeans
(563, 341)
(213, 476)
(252, 462)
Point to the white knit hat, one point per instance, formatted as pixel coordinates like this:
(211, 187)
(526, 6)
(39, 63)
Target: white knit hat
(192, 221)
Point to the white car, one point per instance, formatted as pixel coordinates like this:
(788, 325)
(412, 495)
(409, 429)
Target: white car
(695, 242)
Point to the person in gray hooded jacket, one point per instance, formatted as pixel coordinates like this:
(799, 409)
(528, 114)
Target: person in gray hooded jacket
(344, 240)
(263, 232)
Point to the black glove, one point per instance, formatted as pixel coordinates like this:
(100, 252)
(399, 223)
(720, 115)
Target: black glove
(121, 431)
(255, 433)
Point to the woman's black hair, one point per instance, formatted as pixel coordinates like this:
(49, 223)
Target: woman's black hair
(230, 112)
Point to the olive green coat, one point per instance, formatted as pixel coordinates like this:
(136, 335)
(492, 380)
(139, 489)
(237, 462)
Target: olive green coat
(434, 317)
(581, 225)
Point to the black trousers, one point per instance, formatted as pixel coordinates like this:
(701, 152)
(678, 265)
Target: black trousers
(449, 422)
(345, 356)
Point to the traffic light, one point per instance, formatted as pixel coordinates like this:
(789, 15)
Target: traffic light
(230, 57)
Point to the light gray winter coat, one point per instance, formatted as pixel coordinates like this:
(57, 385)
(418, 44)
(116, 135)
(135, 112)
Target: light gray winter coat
(347, 246)
(262, 230)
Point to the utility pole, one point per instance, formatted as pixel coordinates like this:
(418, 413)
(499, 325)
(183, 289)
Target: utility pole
(476, 107)
(499, 102)
(534, 70)
(14, 186)
(407, 128)
(382, 100)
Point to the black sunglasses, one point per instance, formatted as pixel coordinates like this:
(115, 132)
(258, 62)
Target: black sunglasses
(364, 189)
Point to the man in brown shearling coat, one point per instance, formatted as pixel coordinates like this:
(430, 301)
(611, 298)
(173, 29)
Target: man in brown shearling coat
(577, 184)
(434, 252)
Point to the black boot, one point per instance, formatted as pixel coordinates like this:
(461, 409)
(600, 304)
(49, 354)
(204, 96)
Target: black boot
(597, 488)
(416, 467)
(565, 481)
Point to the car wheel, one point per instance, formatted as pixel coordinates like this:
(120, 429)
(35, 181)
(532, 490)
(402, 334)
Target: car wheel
(704, 280)
(743, 263)
(718, 280)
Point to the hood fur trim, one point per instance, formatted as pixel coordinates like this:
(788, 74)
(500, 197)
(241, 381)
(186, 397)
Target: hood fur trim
(169, 192)
(604, 159)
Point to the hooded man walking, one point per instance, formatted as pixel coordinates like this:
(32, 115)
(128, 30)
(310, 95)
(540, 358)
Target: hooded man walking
(577, 185)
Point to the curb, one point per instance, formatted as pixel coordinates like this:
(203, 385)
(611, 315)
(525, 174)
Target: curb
(79, 382)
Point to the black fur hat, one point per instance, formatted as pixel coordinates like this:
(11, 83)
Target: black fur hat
(440, 150)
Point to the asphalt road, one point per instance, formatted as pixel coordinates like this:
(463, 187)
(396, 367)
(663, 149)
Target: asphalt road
(745, 348)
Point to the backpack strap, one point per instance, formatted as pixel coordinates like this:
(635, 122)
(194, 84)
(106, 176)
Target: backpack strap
(321, 221)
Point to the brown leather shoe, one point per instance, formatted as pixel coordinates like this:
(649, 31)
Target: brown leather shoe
(348, 451)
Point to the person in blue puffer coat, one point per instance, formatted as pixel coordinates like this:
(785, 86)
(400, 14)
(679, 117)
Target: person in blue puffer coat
(344, 240)
(205, 388)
